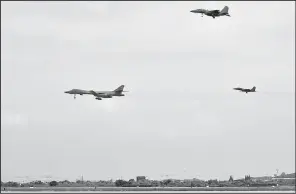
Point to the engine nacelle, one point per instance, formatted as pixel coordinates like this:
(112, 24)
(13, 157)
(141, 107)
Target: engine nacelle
(106, 96)
(121, 95)
(98, 98)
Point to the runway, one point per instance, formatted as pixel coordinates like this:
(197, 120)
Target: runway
(148, 191)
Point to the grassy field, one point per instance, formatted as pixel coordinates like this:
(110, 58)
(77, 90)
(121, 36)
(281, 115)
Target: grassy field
(280, 188)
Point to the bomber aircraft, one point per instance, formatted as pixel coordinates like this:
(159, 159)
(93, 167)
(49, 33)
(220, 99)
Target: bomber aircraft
(98, 94)
(213, 13)
(246, 90)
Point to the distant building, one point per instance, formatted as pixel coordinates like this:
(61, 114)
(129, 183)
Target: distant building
(141, 178)
(241, 179)
(194, 179)
(263, 178)
(276, 178)
(285, 176)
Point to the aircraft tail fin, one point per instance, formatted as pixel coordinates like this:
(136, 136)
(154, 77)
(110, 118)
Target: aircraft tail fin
(224, 11)
(119, 89)
(253, 89)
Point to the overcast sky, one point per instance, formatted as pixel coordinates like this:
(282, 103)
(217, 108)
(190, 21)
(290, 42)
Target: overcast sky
(180, 117)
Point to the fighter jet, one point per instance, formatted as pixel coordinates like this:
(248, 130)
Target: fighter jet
(98, 94)
(213, 13)
(246, 90)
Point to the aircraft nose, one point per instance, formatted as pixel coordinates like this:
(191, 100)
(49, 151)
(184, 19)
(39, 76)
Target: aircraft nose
(67, 92)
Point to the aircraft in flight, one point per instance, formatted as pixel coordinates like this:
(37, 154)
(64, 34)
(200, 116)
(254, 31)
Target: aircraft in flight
(98, 94)
(213, 13)
(246, 90)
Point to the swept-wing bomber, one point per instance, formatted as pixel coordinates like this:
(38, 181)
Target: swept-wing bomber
(98, 94)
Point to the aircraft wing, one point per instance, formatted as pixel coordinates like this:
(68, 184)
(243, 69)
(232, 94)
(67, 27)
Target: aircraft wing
(94, 93)
(100, 94)
(214, 11)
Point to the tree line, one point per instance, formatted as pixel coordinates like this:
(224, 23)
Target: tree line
(245, 182)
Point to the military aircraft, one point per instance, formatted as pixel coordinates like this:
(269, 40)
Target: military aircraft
(213, 13)
(246, 90)
(98, 94)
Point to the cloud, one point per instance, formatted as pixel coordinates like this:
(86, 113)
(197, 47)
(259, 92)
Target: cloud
(107, 105)
(9, 119)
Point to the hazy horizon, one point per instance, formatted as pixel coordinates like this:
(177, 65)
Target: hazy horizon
(181, 116)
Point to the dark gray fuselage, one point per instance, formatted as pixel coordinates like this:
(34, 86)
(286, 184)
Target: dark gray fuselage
(102, 94)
